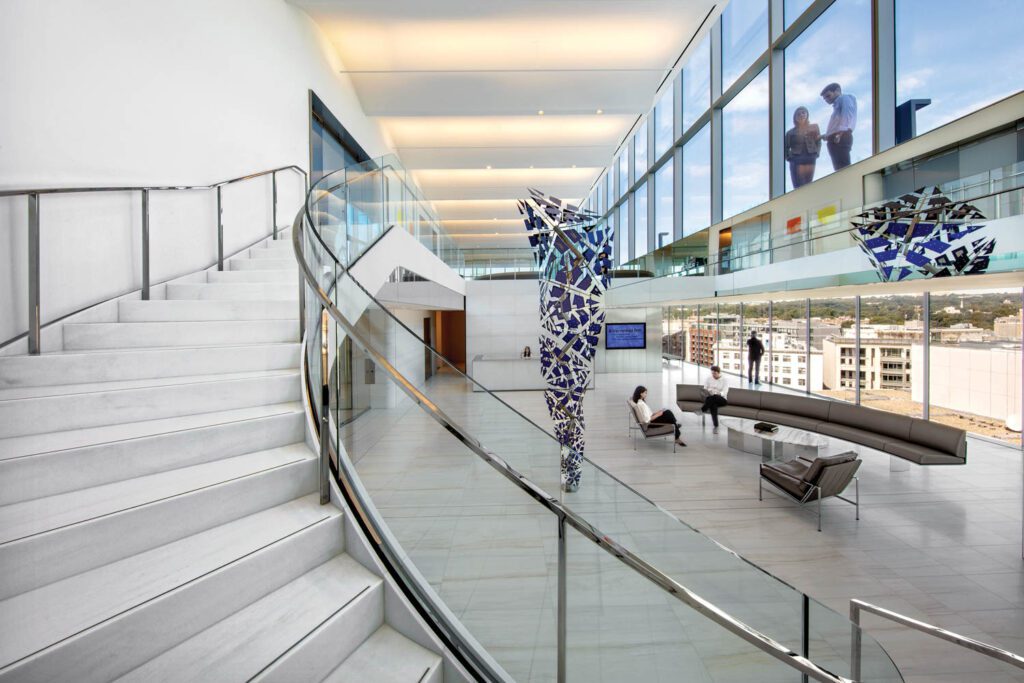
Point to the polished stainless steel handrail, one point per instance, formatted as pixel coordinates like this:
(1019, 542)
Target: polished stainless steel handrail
(138, 188)
(33, 195)
(564, 515)
(858, 606)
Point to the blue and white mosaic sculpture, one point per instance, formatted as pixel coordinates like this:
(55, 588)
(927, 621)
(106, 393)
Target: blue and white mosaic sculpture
(574, 259)
(923, 232)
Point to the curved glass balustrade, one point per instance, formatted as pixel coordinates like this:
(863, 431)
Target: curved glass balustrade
(460, 494)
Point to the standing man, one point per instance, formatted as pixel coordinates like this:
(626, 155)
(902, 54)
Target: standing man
(839, 134)
(755, 349)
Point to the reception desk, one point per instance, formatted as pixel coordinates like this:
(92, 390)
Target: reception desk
(510, 373)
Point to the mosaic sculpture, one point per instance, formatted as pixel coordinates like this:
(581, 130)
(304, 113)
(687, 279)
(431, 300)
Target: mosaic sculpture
(923, 232)
(574, 261)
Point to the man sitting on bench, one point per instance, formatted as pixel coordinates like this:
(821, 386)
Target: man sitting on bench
(715, 391)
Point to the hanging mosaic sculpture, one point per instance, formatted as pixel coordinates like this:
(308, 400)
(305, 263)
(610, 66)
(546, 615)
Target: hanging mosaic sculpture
(574, 261)
(924, 232)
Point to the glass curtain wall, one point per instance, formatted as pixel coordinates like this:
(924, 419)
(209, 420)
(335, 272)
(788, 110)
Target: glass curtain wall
(640, 150)
(623, 232)
(663, 205)
(788, 345)
(729, 356)
(827, 130)
(745, 148)
(664, 113)
(744, 37)
(891, 346)
(832, 331)
(640, 222)
(697, 83)
(755, 319)
(950, 83)
(974, 368)
(697, 182)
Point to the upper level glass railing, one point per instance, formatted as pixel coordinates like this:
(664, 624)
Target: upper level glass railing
(353, 206)
(997, 194)
(453, 487)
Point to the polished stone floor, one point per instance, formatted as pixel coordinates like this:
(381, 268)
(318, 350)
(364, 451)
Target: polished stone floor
(938, 544)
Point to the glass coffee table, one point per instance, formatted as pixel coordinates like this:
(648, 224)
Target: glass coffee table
(785, 444)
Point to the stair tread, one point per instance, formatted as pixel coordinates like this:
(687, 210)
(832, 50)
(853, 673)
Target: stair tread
(386, 657)
(147, 349)
(34, 444)
(32, 621)
(19, 393)
(31, 517)
(242, 645)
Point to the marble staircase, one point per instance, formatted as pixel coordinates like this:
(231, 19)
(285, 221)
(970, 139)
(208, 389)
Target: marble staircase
(158, 509)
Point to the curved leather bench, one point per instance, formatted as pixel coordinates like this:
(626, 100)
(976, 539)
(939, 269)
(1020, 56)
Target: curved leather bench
(913, 439)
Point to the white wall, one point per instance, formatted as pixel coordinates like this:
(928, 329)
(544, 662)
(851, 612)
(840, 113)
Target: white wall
(632, 360)
(135, 92)
(502, 316)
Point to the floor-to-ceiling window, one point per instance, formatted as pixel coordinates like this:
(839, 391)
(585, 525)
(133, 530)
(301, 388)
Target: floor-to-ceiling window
(640, 221)
(663, 205)
(982, 69)
(891, 337)
(828, 94)
(974, 368)
(697, 83)
(744, 37)
(697, 182)
(745, 148)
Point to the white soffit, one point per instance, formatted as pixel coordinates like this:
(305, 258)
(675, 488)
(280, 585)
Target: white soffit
(458, 85)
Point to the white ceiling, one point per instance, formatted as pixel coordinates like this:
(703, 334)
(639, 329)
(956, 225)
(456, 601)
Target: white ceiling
(458, 85)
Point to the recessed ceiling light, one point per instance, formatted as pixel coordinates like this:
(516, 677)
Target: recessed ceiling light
(488, 168)
(600, 111)
(531, 167)
(494, 219)
(574, 165)
(540, 112)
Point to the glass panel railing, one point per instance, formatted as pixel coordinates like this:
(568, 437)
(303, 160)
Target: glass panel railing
(459, 482)
(997, 194)
(477, 539)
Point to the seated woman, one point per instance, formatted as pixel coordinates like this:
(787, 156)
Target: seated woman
(661, 417)
(526, 352)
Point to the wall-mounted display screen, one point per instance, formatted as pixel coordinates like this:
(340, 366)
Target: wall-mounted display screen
(625, 336)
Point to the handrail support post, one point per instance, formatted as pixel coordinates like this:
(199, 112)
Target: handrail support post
(273, 210)
(145, 245)
(324, 410)
(805, 635)
(562, 607)
(34, 316)
(855, 641)
(220, 232)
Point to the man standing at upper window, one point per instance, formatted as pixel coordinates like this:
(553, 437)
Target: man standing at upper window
(839, 134)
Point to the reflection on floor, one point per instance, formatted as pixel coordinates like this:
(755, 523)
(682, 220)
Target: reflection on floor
(940, 544)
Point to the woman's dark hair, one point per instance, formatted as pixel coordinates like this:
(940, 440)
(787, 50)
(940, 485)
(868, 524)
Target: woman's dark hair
(798, 111)
(637, 392)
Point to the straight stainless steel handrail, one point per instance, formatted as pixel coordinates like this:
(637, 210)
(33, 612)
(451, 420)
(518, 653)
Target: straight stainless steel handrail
(35, 325)
(858, 606)
(564, 515)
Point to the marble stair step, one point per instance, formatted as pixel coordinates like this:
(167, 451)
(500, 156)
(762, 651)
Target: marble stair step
(105, 435)
(173, 310)
(290, 275)
(116, 617)
(265, 263)
(107, 365)
(100, 404)
(39, 475)
(46, 539)
(234, 291)
(388, 657)
(179, 333)
(297, 633)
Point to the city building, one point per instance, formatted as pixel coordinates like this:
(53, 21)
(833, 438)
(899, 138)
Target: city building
(279, 398)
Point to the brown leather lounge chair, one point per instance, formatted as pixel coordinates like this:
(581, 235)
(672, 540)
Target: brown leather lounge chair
(650, 430)
(805, 480)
